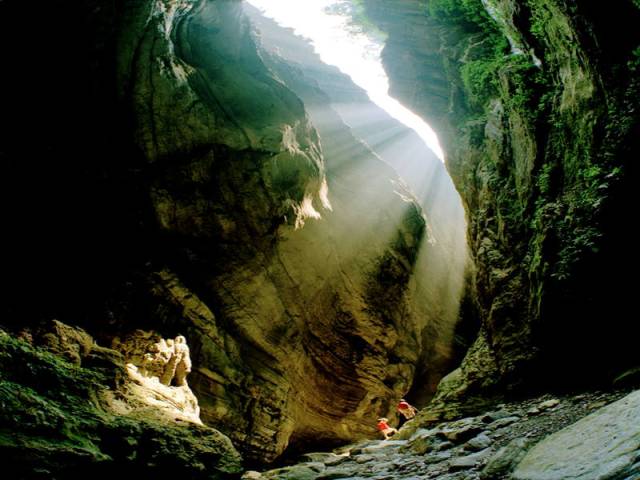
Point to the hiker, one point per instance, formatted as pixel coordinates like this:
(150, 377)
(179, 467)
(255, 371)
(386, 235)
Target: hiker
(385, 429)
(406, 410)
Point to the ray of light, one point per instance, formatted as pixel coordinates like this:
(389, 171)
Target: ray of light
(352, 50)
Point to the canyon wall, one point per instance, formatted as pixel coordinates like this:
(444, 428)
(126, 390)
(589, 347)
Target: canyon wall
(170, 181)
(534, 103)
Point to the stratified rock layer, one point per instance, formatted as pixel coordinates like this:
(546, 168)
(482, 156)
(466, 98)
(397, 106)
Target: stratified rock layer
(175, 179)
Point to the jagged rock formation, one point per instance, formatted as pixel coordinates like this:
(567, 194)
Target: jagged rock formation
(300, 349)
(535, 104)
(162, 132)
(159, 370)
(84, 415)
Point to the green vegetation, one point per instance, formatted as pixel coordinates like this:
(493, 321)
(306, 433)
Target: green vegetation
(567, 186)
(471, 12)
(540, 18)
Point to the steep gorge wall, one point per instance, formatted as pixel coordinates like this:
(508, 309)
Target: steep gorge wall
(535, 103)
(176, 184)
(361, 141)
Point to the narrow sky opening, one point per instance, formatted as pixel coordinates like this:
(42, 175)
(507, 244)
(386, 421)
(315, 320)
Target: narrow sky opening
(331, 30)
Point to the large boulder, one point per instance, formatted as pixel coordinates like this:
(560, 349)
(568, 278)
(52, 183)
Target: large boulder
(603, 446)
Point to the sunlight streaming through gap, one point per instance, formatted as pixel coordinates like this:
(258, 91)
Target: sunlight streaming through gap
(342, 44)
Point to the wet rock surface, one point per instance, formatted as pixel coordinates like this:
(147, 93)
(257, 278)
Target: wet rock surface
(492, 454)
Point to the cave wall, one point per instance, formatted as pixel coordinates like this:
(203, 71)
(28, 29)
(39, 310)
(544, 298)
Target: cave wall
(535, 103)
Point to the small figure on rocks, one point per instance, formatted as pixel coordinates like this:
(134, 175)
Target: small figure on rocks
(406, 410)
(385, 429)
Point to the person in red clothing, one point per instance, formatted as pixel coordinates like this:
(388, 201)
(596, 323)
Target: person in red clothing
(406, 410)
(385, 429)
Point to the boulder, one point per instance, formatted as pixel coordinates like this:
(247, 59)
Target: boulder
(69, 421)
(505, 459)
(479, 442)
(468, 461)
(601, 446)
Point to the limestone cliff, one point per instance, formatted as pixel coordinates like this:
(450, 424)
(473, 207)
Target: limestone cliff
(535, 103)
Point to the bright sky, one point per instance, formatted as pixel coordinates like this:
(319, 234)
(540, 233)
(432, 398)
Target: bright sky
(353, 52)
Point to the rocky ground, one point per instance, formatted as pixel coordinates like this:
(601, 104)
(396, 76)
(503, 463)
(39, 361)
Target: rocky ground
(492, 445)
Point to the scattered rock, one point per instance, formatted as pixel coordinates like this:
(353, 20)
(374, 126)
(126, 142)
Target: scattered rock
(295, 472)
(339, 473)
(497, 415)
(383, 445)
(429, 454)
(360, 459)
(533, 411)
(438, 457)
(469, 461)
(326, 458)
(554, 402)
(442, 446)
(462, 434)
(601, 446)
(505, 459)
(503, 422)
(477, 443)
(596, 405)
(421, 445)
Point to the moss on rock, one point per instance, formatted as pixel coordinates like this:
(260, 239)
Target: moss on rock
(58, 421)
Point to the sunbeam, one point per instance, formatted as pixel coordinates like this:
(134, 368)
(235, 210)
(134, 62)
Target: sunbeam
(355, 52)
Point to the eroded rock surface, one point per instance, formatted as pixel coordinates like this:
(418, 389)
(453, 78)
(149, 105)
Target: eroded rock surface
(61, 419)
(291, 263)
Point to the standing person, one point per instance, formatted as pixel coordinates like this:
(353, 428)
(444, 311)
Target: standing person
(407, 411)
(385, 429)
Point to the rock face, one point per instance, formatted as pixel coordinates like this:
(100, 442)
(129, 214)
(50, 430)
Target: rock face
(536, 105)
(62, 419)
(602, 446)
(359, 139)
(169, 139)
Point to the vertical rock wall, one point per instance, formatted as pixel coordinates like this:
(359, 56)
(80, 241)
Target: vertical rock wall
(535, 103)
